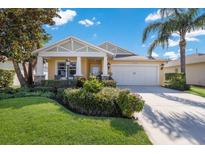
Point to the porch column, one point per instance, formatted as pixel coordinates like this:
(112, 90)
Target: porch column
(105, 67)
(39, 66)
(78, 67)
(39, 71)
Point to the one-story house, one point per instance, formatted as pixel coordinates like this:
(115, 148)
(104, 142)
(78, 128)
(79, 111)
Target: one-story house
(74, 57)
(195, 68)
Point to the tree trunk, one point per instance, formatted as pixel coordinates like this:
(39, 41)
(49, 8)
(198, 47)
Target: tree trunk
(182, 46)
(30, 73)
(19, 74)
(25, 71)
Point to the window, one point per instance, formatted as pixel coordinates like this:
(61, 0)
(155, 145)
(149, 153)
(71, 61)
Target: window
(61, 69)
(72, 68)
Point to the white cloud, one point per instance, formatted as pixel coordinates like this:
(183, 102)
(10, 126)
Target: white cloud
(98, 23)
(173, 43)
(171, 55)
(153, 16)
(190, 37)
(54, 28)
(94, 35)
(86, 22)
(143, 45)
(155, 55)
(153, 36)
(66, 16)
(190, 49)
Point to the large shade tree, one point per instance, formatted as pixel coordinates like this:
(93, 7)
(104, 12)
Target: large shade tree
(174, 21)
(21, 32)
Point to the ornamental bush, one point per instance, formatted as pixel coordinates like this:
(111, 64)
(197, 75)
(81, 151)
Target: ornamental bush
(109, 83)
(129, 103)
(58, 83)
(6, 78)
(92, 86)
(176, 81)
(106, 102)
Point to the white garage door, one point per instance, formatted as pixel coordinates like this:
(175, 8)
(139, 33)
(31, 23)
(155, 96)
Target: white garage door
(129, 74)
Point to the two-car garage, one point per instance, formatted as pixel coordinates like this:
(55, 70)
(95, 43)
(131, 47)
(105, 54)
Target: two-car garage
(135, 74)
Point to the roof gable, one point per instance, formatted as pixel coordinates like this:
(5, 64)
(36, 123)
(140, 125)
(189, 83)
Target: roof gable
(72, 44)
(115, 49)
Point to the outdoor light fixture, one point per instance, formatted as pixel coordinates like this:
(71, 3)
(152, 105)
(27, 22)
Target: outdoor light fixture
(108, 65)
(161, 66)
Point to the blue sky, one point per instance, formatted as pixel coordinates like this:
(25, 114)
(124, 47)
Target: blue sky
(123, 27)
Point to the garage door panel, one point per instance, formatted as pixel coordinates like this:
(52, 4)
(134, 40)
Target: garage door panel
(135, 74)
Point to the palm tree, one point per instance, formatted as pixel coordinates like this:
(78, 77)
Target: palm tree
(178, 21)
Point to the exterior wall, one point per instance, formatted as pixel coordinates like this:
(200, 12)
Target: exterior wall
(161, 72)
(52, 66)
(195, 73)
(9, 66)
(86, 64)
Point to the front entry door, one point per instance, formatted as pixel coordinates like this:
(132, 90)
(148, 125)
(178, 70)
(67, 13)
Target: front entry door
(95, 69)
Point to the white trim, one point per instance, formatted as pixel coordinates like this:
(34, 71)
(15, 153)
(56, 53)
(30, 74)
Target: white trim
(75, 39)
(72, 54)
(80, 48)
(56, 65)
(117, 47)
(142, 65)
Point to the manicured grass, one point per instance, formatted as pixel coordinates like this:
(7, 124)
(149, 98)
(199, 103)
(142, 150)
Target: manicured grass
(39, 120)
(197, 91)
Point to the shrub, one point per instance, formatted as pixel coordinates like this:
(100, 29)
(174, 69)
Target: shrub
(92, 85)
(80, 82)
(102, 103)
(24, 92)
(43, 89)
(129, 103)
(176, 81)
(107, 102)
(6, 78)
(109, 83)
(58, 83)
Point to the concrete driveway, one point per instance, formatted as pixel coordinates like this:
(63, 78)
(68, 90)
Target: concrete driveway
(171, 116)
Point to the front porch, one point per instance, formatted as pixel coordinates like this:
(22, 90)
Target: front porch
(62, 68)
(71, 58)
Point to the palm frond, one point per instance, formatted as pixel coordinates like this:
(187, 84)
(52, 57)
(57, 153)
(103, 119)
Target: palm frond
(150, 28)
(199, 22)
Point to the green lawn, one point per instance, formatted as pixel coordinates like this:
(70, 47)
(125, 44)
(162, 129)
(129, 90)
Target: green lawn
(39, 120)
(197, 91)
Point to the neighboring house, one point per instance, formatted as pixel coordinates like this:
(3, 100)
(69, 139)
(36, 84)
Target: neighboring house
(85, 58)
(195, 68)
(8, 65)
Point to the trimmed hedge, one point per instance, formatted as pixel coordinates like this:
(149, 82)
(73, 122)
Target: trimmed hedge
(107, 102)
(58, 83)
(6, 93)
(176, 81)
(6, 78)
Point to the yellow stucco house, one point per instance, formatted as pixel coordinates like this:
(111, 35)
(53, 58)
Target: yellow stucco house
(195, 68)
(74, 57)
